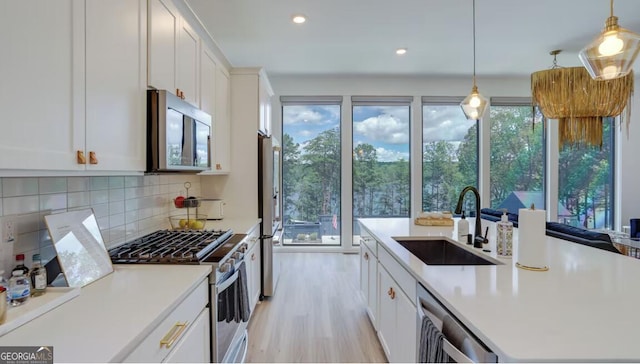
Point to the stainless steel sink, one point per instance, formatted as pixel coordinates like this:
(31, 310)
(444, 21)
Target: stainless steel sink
(442, 252)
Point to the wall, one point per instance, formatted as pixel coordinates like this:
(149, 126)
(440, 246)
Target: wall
(628, 175)
(125, 206)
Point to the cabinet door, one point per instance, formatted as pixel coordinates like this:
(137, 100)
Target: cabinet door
(405, 350)
(115, 84)
(42, 84)
(187, 58)
(386, 313)
(222, 133)
(372, 296)
(194, 347)
(256, 258)
(163, 26)
(265, 106)
(364, 272)
(208, 65)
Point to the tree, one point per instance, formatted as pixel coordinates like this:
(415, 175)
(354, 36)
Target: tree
(290, 172)
(366, 179)
(439, 173)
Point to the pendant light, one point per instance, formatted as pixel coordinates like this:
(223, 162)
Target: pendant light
(475, 104)
(612, 53)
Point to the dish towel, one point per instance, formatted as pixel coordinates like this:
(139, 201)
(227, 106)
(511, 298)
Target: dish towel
(242, 308)
(431, 350)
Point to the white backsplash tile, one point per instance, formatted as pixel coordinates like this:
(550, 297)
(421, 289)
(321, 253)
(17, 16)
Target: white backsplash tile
(78, 199)
(20, 205)
(77, 184)
(126, 207)
(12, 187)
(99, 183)
(52, 185)
(53, 201)
(98, 197)
(116, 182)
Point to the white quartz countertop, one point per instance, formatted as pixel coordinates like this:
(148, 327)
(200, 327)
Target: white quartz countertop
(238, 225)
(111, 315)
(584, 308)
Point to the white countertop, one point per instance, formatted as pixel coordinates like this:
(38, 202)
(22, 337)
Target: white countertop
(112, 315)
(584, 308)
(238, 225)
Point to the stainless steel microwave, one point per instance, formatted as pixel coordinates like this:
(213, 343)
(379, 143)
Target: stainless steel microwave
(178, 134)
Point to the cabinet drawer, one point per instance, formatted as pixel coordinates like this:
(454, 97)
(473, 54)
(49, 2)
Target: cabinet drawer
(405, 280)
(368, 240)
(253, 237)
(172, 328)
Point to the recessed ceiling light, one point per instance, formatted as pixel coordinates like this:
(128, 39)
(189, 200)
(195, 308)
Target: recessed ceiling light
(401, 51)
(299, 19)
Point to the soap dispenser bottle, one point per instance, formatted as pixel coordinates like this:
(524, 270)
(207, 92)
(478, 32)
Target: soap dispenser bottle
(504, 236)
(463, 228)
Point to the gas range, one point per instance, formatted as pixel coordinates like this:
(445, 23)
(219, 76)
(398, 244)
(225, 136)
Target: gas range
(172, 247)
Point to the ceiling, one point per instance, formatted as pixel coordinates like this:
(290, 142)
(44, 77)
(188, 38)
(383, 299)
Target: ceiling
(347, 37)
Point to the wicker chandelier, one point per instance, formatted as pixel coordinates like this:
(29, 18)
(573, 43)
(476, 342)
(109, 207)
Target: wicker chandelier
(578, 102)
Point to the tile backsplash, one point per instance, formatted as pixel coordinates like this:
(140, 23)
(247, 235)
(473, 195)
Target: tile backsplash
(126, 207)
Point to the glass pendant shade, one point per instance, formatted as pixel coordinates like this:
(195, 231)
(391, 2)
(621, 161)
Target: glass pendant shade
(612, 53)
(474, 105)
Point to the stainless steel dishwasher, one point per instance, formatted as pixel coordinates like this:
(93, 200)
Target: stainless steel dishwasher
(459, 343)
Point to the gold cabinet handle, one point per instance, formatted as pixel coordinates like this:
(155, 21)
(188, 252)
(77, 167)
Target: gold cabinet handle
(393, 293)
(92, 158)
(366, 256)
(218, 166)
(173, 334)
(80, 159)
(389, 291)
(253, 257)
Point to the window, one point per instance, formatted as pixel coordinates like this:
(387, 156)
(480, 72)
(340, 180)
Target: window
(585, 182)
(311, 170)
(517, 155)
(449, 154)
(381, 175)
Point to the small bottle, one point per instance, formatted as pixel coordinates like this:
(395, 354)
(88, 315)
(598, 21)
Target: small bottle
(20, 265)
(19, 288)
(38, 277)
(463, 228)
(504, 236)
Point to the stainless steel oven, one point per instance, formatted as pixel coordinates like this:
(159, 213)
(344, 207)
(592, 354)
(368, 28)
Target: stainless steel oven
(228, 294)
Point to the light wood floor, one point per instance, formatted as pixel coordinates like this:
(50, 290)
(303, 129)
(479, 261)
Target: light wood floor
(316, 314)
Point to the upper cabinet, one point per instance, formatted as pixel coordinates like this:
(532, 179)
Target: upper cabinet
(251, 99)
(71, 91)
(116, 60)
(173, 52)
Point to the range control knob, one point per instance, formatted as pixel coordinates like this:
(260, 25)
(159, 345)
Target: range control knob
(237, 255)
(243, 248)
(224, 268)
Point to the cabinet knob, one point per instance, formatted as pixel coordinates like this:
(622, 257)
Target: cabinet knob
(366, 256)
(92, 158)
(80, 158)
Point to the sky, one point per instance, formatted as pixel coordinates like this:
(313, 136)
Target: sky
(384, 127)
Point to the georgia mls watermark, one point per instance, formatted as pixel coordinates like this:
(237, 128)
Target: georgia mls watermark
(26, 354)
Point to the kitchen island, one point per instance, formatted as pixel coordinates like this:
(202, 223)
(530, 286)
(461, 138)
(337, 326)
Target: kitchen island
(582, 309)
(113, 316)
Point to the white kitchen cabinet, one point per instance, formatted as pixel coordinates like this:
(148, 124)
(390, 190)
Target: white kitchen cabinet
(42, 73)
(180, 332)
(266, 93)
(71, 85)
(173, 52)
(194, 346)
(214, 100)
(397, 317)
(253, 88)
(116, 42)
(369, 281)
(253, 259)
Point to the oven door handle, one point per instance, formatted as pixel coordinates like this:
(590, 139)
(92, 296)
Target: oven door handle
(228, 282)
